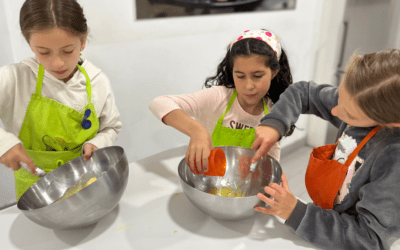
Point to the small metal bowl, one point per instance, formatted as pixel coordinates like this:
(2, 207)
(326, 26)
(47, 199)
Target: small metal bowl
(109, 165)
(197, 188)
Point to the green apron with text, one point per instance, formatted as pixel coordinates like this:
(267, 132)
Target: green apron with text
(224, 136)
(52, 133)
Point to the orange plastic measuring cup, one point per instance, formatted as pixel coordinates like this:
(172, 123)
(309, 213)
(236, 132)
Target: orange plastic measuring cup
(216, 163)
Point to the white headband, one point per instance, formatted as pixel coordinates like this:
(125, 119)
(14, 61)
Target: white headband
(265, 36)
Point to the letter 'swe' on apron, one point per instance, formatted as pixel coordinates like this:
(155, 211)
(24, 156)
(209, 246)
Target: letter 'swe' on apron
(53, 133)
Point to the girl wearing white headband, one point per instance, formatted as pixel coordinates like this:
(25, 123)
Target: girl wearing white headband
(249, 80)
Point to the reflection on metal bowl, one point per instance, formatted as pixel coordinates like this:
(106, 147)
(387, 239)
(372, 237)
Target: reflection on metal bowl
(197, 188)
(110, 169)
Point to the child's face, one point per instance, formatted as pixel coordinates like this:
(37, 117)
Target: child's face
(58, 51)
(252, 80)
(348, 111)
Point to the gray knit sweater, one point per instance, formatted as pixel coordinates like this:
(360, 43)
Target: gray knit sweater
(367, 216)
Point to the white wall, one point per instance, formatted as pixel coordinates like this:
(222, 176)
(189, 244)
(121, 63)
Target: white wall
(394, 39)
(7, 189)
(6, 55)
(146, 59)
(329, 41)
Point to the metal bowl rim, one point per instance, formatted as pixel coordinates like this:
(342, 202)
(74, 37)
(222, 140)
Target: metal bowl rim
(53, 172)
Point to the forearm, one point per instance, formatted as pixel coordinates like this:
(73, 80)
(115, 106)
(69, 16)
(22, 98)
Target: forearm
(182, 122)
(302, 98)
(7, 141)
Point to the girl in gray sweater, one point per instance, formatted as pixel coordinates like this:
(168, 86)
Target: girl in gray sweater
(355, 183)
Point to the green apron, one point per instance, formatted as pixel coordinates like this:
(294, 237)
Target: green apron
(52, 133)
(224, 136)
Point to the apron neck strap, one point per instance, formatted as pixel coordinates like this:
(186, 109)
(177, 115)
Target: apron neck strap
(265, 107)
(88, 85)
(359, 147)
(39, 81)
(233, 97)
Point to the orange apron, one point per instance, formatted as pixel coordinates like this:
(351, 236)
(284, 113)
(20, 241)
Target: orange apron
(324, 176)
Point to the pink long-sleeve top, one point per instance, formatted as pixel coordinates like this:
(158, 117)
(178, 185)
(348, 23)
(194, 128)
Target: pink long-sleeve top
(207, 105)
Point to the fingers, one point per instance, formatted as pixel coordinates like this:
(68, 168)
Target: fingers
(285, 183)
(256, 147)
(202, 160)
(15, 155)
(256, 144)
(205, 160)
(263, 150)
(276, 192)
(87, 155)
(197, 157)
(267, 200)
(192, 161)
(257, 156)
(88, 151)
(264, 210)
(199, 163)
(29, 162)
(282, 201)
(188, 162)
(14, 166)
(25, 167)
(265, 139)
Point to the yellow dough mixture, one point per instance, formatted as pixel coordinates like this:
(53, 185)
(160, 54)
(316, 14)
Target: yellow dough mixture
(76, 189)
(227, 192)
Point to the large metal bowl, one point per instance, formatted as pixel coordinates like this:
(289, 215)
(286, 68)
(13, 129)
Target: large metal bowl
(237, 175)
(109, 165)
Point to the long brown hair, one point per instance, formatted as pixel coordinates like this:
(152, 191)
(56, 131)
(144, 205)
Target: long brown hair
(47, 14)
(374, 81)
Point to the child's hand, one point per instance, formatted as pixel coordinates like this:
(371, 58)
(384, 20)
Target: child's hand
(16, 154)
(88, 149)
(198, 151)
(284, 201)
(266, 137)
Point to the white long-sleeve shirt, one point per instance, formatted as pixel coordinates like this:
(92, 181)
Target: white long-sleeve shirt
(18, 83)
(207, 105)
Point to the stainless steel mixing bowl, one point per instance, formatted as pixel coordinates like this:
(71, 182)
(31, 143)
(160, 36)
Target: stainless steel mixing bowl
(197, 187)
(109, 165)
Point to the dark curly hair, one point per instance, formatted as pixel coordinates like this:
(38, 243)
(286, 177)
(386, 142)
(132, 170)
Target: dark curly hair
(247, 47)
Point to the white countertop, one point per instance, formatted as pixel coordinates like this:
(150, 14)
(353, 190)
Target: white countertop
(153, 213)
